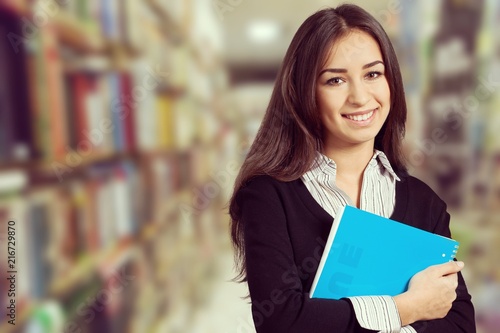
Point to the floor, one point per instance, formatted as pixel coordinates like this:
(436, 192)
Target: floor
(226, 312)
(223, 310)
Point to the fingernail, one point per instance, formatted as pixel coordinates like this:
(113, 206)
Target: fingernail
(460, 263)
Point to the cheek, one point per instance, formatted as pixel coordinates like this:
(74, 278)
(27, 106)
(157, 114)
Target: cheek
(322, 106)
(329, 104)
(328, 114)
(384, 92)
(388, 95)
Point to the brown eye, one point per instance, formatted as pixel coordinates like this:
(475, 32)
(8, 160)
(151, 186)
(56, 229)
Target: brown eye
(373, 75)
(336, 81)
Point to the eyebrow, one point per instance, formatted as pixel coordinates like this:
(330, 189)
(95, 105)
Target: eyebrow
(343, 70)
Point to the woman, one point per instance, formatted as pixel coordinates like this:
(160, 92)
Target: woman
(331, 136)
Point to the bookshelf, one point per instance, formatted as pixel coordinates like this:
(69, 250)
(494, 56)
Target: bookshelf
(109, 147)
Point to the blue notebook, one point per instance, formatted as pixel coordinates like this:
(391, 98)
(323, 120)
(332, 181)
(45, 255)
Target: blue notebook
(367, 254)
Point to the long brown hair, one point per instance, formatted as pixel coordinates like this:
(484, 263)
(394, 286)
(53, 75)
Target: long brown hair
(291, 130)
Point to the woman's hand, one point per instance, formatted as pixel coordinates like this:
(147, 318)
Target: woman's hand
(430, 294)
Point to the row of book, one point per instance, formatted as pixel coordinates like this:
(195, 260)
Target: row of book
(106, 302)
(63, 232)
(123, 20)
(59, 225)
(49, 110)
(116, 20)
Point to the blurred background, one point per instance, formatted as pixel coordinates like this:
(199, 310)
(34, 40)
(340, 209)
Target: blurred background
(123, 124)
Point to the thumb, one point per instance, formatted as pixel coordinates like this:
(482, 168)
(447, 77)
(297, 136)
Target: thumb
(449, 268)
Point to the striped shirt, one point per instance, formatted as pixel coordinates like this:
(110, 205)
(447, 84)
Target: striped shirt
(378, 195)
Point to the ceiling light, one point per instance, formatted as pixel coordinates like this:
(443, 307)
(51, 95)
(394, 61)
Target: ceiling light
(263, 32)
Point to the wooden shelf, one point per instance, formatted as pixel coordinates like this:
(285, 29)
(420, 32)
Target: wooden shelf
(99, 63)
(75, 276)
(87, 266)
(43, 172)
(74, 34)
(174, 92)
(16, 165)
(46, 165)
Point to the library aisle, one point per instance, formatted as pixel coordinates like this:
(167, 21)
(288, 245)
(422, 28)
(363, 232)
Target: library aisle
(123, 124)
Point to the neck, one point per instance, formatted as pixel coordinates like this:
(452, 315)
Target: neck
(350, 161)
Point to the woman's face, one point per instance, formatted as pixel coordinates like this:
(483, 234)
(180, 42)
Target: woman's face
(352, 92)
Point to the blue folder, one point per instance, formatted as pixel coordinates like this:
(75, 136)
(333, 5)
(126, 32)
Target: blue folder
(367, 254)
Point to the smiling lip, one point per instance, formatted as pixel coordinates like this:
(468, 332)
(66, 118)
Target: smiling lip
(360, 116)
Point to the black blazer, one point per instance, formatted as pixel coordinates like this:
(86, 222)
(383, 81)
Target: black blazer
(285, 231)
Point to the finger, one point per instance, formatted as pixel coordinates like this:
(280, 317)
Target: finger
(448, 268)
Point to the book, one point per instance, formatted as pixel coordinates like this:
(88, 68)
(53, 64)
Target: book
(367, 254)
(110, 20)
(89, 214)
(98, 114)
(122, 204)
(145, 113)
(165, 121)
(44, 69)
(53, 81)
(116, 111)
(106, 216)
(128, 110)
(16, 142)
(133, 30)
(7, 109)
(77, 91)
(40, 265)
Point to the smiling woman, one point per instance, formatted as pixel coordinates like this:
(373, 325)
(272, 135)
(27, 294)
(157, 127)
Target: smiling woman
(331, 137)
(353, 94)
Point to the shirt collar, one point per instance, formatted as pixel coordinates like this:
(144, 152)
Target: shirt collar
(323, 165)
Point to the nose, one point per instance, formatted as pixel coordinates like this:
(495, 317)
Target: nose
(358, 94)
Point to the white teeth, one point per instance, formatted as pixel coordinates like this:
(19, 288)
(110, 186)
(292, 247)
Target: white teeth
(360, 117)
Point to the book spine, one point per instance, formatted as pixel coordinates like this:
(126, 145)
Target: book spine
(90, 215)
(41, 116)
(69, 105)
(6, 106)
(16, 141)
(97, 115)
(128, 110)
(122, 205)
(55, 89)
(80, 90)
(39, 239)
(109, 19)
(117, 112)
